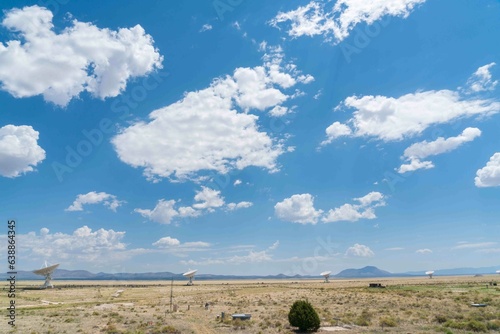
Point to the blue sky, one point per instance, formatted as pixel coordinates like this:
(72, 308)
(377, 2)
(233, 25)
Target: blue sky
(243, 137)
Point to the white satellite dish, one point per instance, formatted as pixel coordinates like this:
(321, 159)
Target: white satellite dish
(190, 274)
(326, 275)
(498, 271)
(429, 273)
(47, 273)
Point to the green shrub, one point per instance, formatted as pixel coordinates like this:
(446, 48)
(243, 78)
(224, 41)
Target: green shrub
(476, 326)
(493, 325)
(303, 315)
(471, 325)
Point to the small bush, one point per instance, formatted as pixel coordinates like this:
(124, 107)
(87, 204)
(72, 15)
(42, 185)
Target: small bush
(387, 322)
(493, 325)
(303, 315)
(476, 326)
(471, 325)
(363, 319)
(440, 318)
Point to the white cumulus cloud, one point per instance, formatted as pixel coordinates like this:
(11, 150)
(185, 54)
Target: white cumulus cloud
(359, 251)
(441, 145)
(354, 212)
(205, 131)
(19, 150)
(162, 213)
(82, 246)
(208, 199)
(336, 23)
(298, 209)
(93, 197)
(336, 130)
(205, 200)
(423, 251)
(393, 119)
(167, 242)
(59, 65)
(489, 175)
(415, 164)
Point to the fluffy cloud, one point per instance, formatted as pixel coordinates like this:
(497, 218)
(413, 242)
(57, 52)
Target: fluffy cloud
(82, 57)
(391, 119)
(167, 242)
(414, 165)
(336, 130)
(19, 150)
(298, 209)
(279, 111)
(489, 175)
(95, 198)
(354, 212)
(163, 212)
(441, 145)
(82, 246)
(423, 251)
(482, 80)
(336, 23)
(359, 251)
(205, 200)
(208, 199)
(205, 132)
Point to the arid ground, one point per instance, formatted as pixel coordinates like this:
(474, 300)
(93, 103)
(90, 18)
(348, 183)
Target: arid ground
(405, 305)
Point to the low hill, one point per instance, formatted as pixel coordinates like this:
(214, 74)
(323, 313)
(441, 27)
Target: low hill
(368, 271)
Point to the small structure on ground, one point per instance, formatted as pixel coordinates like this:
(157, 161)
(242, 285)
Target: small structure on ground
(47, 273)
(241, 316)
(190, 274)
(326, 275)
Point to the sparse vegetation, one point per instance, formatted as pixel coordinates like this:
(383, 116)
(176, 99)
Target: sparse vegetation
(413, 305)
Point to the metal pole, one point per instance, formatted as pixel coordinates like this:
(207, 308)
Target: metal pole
(171, 293)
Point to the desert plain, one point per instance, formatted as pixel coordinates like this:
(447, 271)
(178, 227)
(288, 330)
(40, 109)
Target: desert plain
(403, 305)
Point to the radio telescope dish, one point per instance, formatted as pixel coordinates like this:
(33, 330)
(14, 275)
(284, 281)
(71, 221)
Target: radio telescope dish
(429, 273)
(47, 273)
(326, 275)
(498, 271)
(190, 274)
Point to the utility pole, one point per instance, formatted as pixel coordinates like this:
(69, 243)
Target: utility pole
(171, 293)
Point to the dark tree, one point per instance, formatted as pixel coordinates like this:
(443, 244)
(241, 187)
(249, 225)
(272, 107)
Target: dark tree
(304, 316)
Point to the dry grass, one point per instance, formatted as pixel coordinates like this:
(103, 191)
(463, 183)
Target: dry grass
(409, 305)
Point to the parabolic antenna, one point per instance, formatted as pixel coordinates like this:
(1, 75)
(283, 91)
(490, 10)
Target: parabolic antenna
(326, 275)
(190, 274)
(429, 273)
(498, 271)
(47, 273)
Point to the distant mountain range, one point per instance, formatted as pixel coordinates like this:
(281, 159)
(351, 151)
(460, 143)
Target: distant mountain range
(366, 272)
